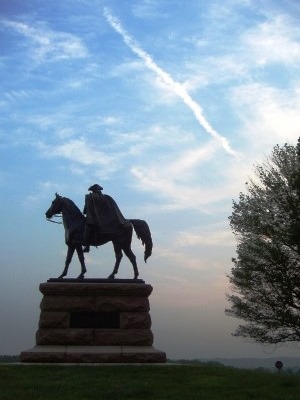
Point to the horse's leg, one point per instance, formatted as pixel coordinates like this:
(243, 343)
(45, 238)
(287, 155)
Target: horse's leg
(81, 260)
(132, 258)
(70, 253)
(125, 245)
(119, 255)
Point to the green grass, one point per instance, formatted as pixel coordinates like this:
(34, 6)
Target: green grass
(207, 382)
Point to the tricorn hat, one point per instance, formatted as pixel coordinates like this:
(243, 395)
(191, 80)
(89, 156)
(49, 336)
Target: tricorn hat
(95, 187)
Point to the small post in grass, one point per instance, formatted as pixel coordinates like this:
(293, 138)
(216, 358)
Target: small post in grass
(279, 365)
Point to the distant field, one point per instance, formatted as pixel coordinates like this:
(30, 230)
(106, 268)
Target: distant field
(165, 382)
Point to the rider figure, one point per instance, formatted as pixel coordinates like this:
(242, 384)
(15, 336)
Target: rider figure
(103, 216)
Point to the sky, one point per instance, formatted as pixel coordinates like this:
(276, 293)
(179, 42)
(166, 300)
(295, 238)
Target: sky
(168, 105)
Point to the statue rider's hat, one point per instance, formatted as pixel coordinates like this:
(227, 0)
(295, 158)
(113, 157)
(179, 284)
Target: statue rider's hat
(95, 188)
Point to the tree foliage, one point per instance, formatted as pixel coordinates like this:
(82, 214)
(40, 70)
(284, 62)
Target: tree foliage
(265, 277)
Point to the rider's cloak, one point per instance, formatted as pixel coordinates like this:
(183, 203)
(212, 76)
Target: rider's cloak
(103, 212)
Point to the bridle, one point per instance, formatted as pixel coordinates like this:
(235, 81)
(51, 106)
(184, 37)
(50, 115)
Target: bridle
(59, 215)
(54, 216)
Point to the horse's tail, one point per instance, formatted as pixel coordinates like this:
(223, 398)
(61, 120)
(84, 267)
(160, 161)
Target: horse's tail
(143, 233)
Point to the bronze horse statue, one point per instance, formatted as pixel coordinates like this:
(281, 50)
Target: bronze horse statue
(74, 224)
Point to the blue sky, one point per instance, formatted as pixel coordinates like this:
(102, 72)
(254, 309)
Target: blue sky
(168, 105)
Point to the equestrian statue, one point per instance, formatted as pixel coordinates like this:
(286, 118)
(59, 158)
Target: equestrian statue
(103, 223)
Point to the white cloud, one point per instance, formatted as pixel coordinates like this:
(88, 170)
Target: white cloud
(16, 94)
(48, 45)
(269, 115)
(244, 56)
(79, 151)
(148, 9)
(274, 41)
(191, 159)
(43, 122)
(174, 193)
(64, 133)
(197, 179)
(208, 238)
(171, 255)
(44, 190)
(110, 120)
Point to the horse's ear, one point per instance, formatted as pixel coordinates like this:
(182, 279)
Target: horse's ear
(57, 195)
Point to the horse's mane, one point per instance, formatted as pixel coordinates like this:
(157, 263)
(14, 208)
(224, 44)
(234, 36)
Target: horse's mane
(72, 206)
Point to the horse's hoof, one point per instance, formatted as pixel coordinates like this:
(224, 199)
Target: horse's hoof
(81, 276)
(61, 276)
(136, 276)
(111, 276)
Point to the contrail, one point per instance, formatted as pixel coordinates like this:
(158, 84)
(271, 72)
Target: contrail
(176, 87)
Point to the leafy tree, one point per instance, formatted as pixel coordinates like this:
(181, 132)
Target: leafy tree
(265, 277)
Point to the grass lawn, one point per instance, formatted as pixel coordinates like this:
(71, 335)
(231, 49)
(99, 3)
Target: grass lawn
(207, 382)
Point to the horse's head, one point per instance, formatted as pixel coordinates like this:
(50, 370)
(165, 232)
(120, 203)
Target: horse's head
(56, 206)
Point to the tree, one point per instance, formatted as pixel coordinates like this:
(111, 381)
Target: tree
(265, 277)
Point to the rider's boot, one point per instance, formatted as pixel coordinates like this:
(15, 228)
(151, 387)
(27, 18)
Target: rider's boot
(86, 249)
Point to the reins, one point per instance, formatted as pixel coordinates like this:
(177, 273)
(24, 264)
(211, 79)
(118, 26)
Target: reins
(54, 216)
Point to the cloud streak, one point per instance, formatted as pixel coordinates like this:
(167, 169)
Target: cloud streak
(48, 44)
(176, 87)
(82, 153)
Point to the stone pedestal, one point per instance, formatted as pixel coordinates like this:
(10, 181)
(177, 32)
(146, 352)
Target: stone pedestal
(94, 320)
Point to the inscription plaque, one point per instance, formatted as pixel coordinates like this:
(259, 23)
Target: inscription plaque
(96, 320)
